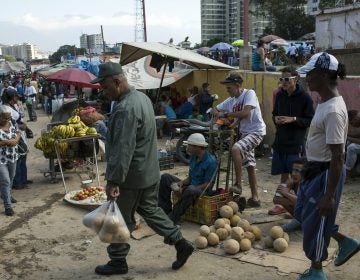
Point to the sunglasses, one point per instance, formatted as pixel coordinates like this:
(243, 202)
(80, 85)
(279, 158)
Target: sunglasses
(287, 79)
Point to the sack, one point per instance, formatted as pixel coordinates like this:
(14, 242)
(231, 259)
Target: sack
(108, 223)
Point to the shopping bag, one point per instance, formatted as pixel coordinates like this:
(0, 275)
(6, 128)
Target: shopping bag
(114, 229)
(95, 219)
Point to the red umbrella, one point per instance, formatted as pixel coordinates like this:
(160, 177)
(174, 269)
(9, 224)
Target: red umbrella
(74, 76)
(269, 38)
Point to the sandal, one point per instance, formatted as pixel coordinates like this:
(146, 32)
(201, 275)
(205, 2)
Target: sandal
(236, 189)
(277, 210)
(251, 203)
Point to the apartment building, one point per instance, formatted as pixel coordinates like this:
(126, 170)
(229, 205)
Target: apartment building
(24, 51)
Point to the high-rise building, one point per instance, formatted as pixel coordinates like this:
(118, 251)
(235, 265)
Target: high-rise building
(224, 19)
(23, 51)
(92, 43)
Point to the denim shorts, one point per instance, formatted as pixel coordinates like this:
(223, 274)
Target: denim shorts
(282, 162)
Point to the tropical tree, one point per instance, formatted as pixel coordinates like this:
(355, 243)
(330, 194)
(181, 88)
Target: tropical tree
(9, 58)
(64, 51)
(288, 18)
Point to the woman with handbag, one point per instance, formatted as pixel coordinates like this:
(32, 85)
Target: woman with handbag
(10, 98)
(9, 139)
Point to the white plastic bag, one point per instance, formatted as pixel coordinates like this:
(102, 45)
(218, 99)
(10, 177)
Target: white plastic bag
(95, 219)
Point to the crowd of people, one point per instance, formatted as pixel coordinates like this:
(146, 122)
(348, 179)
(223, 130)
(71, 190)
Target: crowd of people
(312, 169)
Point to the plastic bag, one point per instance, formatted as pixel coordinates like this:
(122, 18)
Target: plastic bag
(108, 223)
(95, 219)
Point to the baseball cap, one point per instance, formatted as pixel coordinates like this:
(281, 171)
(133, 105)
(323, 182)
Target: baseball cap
(321, 60)
(196, 139)
(107, 69)
(232, 78)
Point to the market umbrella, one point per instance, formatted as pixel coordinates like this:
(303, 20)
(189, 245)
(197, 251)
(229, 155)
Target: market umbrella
(203, 50)
(221, 47)
(238, 43)
(74, 76)
(270, 38)
(279, 42)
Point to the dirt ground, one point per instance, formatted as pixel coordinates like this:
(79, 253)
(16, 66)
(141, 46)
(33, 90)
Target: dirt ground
(45, 239)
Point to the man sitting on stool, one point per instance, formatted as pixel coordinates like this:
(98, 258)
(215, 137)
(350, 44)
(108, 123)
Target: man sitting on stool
(202, 168)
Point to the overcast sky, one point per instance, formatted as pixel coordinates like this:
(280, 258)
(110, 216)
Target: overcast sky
(50, 24)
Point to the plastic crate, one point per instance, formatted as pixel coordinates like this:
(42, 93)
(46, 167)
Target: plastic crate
(166, 162)
(206, 208)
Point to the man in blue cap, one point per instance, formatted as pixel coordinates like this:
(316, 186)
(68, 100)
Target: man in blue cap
(132, 171)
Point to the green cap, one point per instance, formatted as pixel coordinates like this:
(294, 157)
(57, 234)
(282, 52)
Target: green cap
(107, 69)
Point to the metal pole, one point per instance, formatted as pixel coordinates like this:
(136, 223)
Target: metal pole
(144, 19)
(246, 22)
(102, 36)
(161, 82)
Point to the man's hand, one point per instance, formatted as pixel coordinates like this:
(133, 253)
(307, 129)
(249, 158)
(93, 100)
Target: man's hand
(284, 119)
(282, 189)
(112, 191)
(326, 205)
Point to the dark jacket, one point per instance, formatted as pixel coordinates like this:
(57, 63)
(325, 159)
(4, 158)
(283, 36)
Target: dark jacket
(290, 138)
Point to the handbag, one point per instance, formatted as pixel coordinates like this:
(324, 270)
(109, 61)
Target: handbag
(23, 148)
(29, 133)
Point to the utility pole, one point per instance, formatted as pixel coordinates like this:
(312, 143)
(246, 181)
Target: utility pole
(140, 21)
(102, 37)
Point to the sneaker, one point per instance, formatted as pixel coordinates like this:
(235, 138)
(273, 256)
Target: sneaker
(113, 267)
(347, 248)
(312, 274)
(184, 249)
(9, 212)
(293, 225)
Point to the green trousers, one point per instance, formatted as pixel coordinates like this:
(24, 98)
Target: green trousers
(145, 203)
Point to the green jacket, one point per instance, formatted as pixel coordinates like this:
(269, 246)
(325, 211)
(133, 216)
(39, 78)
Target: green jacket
(131, 143)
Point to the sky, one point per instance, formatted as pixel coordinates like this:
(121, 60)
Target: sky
(50, 24)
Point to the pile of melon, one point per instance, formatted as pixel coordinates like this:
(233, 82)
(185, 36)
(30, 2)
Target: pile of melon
(236, 234)
(277, 239)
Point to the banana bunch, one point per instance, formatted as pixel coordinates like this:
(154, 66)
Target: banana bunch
(46, 144)
(74, 120)
(62, 131)
(63, 146)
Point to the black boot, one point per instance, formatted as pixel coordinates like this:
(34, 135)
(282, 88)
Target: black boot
(184, 249)
(113, 267)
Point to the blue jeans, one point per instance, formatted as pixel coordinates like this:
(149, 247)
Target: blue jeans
(7, 172)
(352, 152)
(21, 172)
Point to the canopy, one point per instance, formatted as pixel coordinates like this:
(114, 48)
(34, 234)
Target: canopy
(47, 71)
(279, 42)
(269, 38)
(74, 76)
(135, 50)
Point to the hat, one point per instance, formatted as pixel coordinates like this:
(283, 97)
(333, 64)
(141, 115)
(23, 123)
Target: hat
(196, 139)
(321, 60)
(107, 69)
(232, 78)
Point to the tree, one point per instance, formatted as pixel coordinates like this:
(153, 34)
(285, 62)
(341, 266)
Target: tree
(63, 51)
(9, 58)
(288, 18)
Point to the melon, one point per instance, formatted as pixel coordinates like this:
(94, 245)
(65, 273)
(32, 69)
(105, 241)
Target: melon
(244, 224)
(237, 233)
(234, 220)
(276, 232)
(268, 242)
(212, 228)
(245, 244)
(228, 228)
(286, 237)
(226, 211)
(213, 239)
(219, 223)
(222, 233)
(204, 230)
(234, 206)
(249, 235)
(201, 242)
(238, 214)
(231, 246)
(227, 221)
(280, 245)
(257, 232)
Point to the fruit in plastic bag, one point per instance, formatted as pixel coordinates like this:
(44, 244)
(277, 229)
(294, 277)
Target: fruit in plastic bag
(94, 220)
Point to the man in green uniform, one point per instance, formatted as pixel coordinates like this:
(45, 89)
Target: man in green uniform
(132, 171)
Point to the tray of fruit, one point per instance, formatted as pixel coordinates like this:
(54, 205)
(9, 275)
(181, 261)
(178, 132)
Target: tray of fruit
(89, 197)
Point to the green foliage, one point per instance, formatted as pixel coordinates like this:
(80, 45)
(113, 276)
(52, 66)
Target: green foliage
(63, 51)
(289, 20)
(9, 58)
